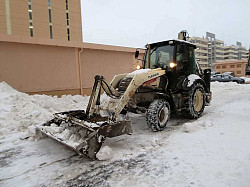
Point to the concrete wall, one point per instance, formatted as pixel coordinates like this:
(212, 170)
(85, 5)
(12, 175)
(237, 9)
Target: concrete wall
(34, 68)
(48, 67)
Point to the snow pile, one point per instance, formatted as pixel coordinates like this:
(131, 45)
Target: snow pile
(105, 153)
(71, 135)
(105, 99)
(196, 125)
(25, 112)
(6, 93)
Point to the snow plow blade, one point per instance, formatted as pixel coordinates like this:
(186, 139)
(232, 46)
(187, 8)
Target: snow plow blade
(85, 136)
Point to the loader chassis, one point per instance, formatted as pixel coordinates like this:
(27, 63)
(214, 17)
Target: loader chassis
(170, 81)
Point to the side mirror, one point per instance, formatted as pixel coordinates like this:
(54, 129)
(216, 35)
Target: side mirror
(137, 54)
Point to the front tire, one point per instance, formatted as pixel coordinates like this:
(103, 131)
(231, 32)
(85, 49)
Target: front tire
(158, 114)
(196, 102)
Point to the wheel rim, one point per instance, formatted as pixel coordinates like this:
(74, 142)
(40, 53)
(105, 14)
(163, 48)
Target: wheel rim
(163, 116)
(198, 100)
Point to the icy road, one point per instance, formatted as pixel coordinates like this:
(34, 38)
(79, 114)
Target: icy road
(211, 151)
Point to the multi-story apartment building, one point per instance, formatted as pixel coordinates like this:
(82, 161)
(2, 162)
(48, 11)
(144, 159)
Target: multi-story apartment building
(219, 50)
(210, 50)
(230, 53)
(242, 51)
(244, 54)
(51, 19)
(201, 51)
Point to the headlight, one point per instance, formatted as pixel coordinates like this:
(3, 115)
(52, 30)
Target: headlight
(138, 67)
(172, 64)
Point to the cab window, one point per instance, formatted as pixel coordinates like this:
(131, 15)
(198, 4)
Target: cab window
(160, 57)
(185, 59)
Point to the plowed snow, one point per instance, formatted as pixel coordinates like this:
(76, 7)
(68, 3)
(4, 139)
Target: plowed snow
(213, 150)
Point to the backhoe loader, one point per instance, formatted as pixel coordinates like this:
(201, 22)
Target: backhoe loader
(170, 81)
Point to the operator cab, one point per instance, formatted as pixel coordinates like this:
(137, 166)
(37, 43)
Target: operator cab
(177, 57)
(171, 55)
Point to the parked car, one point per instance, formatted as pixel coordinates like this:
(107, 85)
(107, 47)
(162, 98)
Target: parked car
(229, 73)
(214, 73)
(227, 78)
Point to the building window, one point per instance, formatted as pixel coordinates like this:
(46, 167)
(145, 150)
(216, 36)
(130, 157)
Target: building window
(232, 66)
(31, 31)
(217, 67)
(67, 18)
(238, 65)
(223, 67)
(68, 33)
(50, 32)
(30, 19)
(30, 15)
(238, 72)
(50, 20)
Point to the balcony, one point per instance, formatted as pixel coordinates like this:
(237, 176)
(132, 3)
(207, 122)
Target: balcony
(221, 56)
(230, 51)
(219, 46)
(201, 51)
(202, 57)
(201, 45)
(219, 50)
(219, 41)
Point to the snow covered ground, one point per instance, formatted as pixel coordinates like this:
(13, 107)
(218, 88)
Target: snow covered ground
(211, 151)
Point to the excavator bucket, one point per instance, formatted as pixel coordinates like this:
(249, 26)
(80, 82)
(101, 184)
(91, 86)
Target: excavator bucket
(81, 134)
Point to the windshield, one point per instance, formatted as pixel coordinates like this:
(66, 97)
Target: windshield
(160, 56)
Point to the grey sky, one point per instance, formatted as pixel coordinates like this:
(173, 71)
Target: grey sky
(134, 23)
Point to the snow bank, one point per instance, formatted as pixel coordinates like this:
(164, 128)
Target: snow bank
(25, 111)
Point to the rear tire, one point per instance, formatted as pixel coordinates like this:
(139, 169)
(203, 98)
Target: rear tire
(158, 114)
(196, 102)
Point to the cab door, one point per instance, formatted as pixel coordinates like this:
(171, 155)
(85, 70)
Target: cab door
(185, 60)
